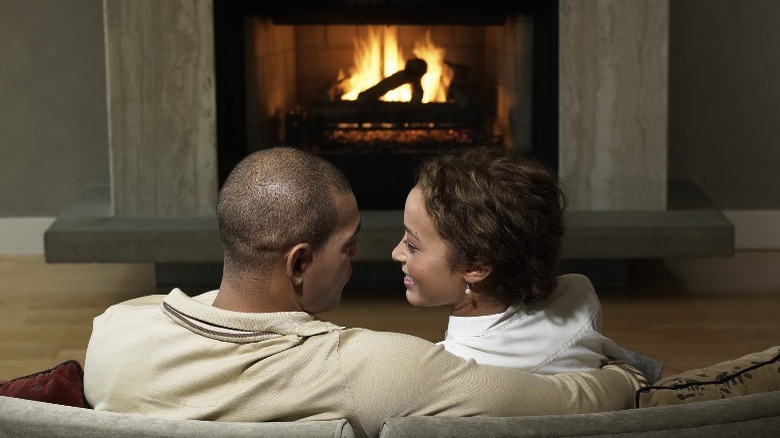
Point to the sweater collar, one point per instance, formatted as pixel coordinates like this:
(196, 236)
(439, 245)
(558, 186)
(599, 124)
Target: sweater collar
(198, 315)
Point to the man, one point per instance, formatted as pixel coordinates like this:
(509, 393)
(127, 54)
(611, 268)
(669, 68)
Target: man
(253, 351)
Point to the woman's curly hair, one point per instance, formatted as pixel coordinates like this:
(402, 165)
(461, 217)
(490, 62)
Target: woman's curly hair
(495, 207)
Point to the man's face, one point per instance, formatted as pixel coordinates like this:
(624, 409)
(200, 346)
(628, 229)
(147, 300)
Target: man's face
(331, 266)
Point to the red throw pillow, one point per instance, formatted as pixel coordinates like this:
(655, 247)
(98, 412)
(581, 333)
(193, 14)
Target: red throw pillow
(62, 385)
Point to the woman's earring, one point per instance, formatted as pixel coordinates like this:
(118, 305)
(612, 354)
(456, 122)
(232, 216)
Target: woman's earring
(468, 289)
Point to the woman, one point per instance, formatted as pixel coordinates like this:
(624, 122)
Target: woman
(484, 230)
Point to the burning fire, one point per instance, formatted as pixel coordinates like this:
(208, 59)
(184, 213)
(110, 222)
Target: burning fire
(379, 56)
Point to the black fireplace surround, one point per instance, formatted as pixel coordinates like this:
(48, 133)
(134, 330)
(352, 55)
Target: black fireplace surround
(380, 181)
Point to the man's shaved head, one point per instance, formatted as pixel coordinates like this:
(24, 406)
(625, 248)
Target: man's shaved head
(274, 199)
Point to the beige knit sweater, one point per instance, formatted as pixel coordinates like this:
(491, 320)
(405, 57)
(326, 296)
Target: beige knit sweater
(178, 357)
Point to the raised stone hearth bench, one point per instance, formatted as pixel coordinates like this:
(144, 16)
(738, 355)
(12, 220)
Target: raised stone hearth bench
(88, 232)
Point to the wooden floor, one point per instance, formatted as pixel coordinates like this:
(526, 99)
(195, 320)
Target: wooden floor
(688, 313)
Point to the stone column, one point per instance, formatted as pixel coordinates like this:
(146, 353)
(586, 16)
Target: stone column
(161, 106)
(613, 97)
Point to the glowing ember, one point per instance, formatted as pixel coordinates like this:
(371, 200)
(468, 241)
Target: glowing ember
(406, 136)
(379, 56)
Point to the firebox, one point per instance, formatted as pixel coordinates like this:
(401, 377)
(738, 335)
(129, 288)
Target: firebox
(377, 86)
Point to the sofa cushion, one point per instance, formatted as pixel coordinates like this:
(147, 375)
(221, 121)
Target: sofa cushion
(750, 374)
(62, 385)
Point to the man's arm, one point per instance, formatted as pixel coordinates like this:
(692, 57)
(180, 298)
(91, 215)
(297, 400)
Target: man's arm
(651, 368)
(392, 375)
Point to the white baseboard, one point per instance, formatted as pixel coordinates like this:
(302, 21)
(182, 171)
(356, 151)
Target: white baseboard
(755, 229)
(23, 235)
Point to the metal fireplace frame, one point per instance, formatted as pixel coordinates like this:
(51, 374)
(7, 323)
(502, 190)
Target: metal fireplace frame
(230, 51)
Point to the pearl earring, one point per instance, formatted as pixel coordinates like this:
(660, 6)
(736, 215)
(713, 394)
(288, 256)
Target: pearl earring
(468, 289)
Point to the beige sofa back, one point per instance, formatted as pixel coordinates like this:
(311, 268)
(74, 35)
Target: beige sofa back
(25, 418)
(755, 415)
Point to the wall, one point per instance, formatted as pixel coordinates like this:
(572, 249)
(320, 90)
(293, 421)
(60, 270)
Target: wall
(52, 113)
(725, 100)
(52, 103)
(724, 109)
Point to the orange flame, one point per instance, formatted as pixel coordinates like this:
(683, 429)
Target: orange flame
(379, 56)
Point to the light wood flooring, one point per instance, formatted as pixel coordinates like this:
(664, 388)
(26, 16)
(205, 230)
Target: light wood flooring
(688, 313)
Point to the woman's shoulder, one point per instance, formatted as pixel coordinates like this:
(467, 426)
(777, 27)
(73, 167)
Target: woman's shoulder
(573, 290)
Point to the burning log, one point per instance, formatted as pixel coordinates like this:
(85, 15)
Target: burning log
(411, 74)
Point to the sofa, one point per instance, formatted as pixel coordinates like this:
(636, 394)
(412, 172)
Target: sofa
(756, 415)
(740, 397)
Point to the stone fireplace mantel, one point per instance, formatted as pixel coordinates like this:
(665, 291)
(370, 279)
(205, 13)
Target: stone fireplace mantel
(159, 206)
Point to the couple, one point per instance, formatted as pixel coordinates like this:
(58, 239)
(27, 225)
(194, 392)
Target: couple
(253, 351)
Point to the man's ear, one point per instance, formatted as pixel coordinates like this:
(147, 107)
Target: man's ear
(298, 260)
(476, 274)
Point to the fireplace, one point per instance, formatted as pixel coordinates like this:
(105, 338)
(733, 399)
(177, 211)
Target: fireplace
(169, 105)
(280, 68)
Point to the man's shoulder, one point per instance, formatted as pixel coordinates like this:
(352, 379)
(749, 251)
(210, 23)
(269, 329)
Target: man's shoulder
(142, 301)
(154, 301)
(357, 333)
(357, 344)
(360, 340)
(135, 305)
(400, 360)
(130, 312)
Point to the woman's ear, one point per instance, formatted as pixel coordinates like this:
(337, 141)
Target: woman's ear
(299, 259)
(477, 274)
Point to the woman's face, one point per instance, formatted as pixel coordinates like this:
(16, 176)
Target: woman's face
(422, 253)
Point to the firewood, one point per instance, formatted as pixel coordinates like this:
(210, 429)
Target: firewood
(411, 74)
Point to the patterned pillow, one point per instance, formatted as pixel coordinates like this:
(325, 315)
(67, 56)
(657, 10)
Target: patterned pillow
(62, 385)
(751, 374)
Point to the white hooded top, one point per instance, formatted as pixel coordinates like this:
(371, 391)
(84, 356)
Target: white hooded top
(560, 334)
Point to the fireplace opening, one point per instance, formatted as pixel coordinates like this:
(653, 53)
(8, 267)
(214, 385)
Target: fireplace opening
(377, 88)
